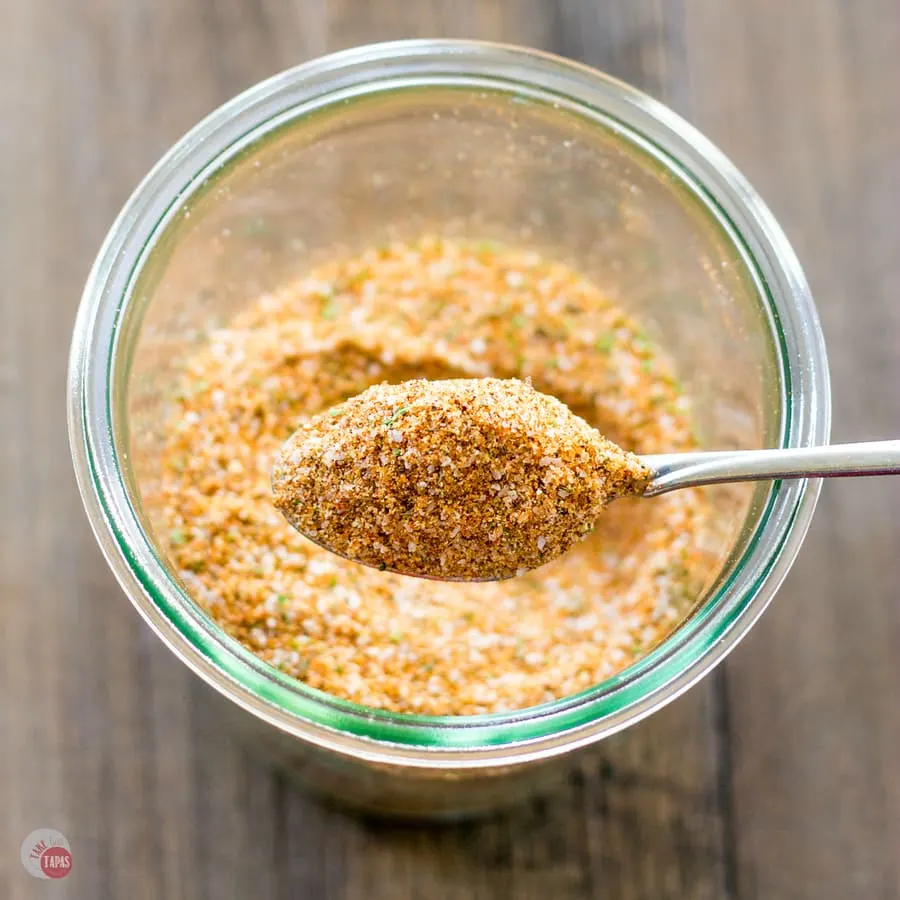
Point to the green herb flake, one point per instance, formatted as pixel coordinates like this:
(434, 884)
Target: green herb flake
(606, 342)
(642, 340)
(396, 415)
(282, 601)
(330, 310)
(177, 537)
(519, 321)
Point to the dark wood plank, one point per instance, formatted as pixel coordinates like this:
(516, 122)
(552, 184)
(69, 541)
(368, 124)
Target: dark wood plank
(802, 104)
(104, 734)
(640, 818)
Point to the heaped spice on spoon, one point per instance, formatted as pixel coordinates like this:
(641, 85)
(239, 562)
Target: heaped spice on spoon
(474, 479)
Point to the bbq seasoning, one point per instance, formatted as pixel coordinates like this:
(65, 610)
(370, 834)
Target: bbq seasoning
(436, 309)
(471, 479)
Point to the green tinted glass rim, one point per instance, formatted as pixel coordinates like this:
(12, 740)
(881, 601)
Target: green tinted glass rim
(275, 687)
(638, 682)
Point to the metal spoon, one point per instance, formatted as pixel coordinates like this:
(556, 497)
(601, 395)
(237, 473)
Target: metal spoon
(671, 471)
(679, 470)
(337, 482)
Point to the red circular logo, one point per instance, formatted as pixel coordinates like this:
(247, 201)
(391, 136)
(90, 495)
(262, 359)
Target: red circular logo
(45, 853)
(56, 862)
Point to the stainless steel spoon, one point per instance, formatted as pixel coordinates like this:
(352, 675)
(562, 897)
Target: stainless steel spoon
(512, 517)
(679, 470)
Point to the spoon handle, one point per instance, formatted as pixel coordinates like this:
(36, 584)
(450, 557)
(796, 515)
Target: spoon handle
(678, 470)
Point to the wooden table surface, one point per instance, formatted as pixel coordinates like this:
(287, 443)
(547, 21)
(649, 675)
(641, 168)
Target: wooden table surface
(777, 777)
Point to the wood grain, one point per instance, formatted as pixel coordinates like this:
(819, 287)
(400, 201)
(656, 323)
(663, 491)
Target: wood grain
(776, 778)
(802, 106)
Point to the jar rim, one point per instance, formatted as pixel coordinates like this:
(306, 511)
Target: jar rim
(429, 741)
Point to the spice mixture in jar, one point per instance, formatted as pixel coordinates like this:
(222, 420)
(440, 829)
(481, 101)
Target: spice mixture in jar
(433, 309)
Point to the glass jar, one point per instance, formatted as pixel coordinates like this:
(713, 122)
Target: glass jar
(468, 139)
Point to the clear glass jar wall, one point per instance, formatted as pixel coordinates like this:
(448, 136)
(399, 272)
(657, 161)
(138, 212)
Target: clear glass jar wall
(482, 142)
